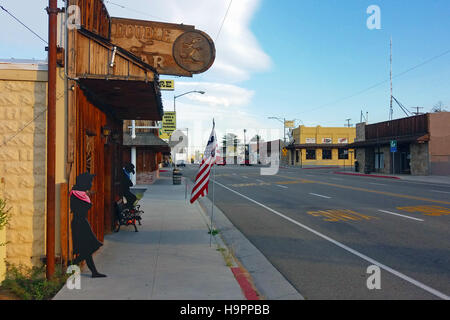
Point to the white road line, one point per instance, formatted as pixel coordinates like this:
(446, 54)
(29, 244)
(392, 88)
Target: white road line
(319, 195)
(260, 181)
(244, 177)
(377, 184)
(343, 246)
(440, 191)
(282, 186)
(400, 215)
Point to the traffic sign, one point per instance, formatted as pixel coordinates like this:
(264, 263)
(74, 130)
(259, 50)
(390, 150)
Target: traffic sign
(393, 145)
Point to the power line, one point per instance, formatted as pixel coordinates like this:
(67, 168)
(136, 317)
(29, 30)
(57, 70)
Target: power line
(23, 24)
(224, 18)
(23, 128)
(134, 10)
(379, 83)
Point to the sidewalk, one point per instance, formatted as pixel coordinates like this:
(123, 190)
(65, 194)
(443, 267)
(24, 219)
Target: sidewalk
(170, 258)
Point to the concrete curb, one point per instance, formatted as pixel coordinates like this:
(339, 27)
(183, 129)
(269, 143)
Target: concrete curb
(269, 282)
(367, 175)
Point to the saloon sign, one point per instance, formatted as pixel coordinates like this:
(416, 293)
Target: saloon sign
(172, 49)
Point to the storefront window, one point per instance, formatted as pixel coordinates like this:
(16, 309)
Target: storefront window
(342, 154)
(326, 154)
(379, 160)
(310, 154)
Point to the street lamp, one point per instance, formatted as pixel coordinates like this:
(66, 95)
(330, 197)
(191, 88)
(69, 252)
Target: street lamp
(175, 97)
(283, 120)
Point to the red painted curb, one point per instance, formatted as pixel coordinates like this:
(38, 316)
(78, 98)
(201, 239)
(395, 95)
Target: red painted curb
(249, 292)
(366, 175)
(320, 168)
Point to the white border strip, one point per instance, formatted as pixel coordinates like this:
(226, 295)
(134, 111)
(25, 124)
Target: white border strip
(319, 195)
(343, 246)
(400, 215)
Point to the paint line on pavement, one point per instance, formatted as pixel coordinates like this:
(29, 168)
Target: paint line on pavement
(346, 248)
(377, 184)
(282, 186)
(260, 180)
(244, 177)
(400, 215)
(391, 194)
(319, 195)
(440, 191)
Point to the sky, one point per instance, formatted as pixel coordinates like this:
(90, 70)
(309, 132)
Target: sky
(315, 61)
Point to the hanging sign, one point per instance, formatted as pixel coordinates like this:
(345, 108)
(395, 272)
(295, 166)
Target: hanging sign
(173, 49)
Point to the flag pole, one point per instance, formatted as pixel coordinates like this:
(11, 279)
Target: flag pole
(212, 207)
(213, 188)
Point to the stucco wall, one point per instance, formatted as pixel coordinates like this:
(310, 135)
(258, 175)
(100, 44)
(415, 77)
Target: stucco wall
(439, 145)
(22, 166)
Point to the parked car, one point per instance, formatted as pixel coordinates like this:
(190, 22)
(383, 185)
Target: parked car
(221, 161)
(181, 163)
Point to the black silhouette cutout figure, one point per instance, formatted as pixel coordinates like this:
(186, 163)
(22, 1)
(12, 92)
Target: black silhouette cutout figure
(125, 184)
(85, 243)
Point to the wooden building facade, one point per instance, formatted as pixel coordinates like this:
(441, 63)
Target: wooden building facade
(106, 85)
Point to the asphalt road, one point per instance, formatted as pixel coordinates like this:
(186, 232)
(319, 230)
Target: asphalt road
(322, 230)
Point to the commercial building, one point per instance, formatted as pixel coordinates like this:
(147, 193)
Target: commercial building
(99, 85)
(421, 144)
(321, 146)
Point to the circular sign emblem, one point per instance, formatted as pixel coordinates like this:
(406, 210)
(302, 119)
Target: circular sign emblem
(194, 51)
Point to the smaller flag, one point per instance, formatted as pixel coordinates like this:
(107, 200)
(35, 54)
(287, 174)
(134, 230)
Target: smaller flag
(209, 159)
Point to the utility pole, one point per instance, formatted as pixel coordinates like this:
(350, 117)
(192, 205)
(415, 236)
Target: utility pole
(417, 111)
(52, 11)
(348, 123)
(391, 111)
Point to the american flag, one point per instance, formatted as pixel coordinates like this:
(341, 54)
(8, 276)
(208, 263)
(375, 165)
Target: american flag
(209, 159)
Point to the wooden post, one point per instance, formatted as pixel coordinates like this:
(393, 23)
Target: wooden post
(52, 11)
(65, 223)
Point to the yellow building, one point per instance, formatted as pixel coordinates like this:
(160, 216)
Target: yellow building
(23, 105)
(322, 146)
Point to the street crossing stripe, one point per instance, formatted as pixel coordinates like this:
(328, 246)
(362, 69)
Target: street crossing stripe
(343, 246)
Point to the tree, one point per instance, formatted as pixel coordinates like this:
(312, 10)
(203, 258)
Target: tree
(439, 107)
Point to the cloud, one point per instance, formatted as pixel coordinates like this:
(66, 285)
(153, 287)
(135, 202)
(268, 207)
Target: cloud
(238, 53)
(216, 94)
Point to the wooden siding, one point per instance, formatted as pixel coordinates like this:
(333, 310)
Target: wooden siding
(94, 59)
(396, 128)
(94, 17)
(89, 123)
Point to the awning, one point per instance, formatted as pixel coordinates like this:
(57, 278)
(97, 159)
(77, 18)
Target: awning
(116, 81)
(317, 145)
(419, 138)
(124, 99)
(146, 140)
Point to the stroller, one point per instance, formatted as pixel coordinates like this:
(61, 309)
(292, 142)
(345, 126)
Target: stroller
(124, 216)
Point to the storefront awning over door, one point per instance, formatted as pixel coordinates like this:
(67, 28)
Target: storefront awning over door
(124, 99)
(146, 140)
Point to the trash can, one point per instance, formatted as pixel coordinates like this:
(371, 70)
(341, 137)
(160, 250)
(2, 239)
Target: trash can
(356, 166)
(176, 175)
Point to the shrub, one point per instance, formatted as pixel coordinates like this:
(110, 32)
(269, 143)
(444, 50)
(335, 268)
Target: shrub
(31, 283)
(4, 216)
